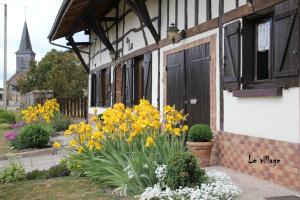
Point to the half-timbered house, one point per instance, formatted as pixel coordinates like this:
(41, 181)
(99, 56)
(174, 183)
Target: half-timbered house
(231, 64)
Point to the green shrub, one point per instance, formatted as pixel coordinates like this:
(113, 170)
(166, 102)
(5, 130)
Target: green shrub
(7, 117)
(72, 164)
(183, 170)
(58, 171)
(37, 174)
(60, 122)
(13, 172)
(200, 133)
(33, 136)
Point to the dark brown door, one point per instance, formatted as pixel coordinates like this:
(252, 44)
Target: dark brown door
(175, 77)
(197, 84)
(188, 86)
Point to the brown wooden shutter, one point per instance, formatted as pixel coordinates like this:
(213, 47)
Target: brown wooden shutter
(147, 77)
(286, 43)
(98, 89)
(113, 89)
(232, 52)
(248, 52)
(129, 83)
(108, 87)
(123, 88)
(93, 89)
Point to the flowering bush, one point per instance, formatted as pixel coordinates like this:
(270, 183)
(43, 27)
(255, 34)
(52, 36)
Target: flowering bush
(41, 113)
(11, 135)
(17, 125)
(127, 144)
(218, 187)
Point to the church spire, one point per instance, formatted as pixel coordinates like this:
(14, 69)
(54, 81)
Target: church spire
(25, 44)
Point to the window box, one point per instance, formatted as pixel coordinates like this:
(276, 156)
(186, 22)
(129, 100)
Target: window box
(270, 92)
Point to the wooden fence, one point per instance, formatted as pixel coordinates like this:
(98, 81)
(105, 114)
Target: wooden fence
(76, 108)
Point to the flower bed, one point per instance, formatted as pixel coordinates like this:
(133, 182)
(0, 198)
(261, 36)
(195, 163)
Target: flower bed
(131, 149)
(39, 123)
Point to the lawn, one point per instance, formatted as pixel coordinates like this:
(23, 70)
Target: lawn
(67, 188)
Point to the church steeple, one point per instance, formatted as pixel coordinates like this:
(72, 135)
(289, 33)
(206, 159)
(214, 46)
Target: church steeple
(25, 53)
(25, 44)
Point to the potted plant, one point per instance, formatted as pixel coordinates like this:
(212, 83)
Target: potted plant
(200, 143)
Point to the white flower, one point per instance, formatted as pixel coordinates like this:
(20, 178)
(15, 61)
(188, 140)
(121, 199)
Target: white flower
(129, 172)
(219, 186)
(160, 172)
(145, 166)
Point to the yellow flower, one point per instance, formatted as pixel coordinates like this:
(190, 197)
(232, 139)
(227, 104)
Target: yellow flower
(68, 132)
(80, 150)
(56, 145)
(149, 141)
(177, 131)
(73, 143)
(185, 128)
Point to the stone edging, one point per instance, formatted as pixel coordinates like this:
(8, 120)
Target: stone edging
(33, 153)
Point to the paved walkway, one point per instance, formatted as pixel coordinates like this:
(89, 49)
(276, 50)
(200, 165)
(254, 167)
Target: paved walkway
(254, 188)
(37, 162)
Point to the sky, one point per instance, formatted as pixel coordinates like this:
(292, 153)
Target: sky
(40, 16)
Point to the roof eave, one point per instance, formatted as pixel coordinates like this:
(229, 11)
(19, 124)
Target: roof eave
(58, 19)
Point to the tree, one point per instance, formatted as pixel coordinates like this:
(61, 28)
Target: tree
(58, 71)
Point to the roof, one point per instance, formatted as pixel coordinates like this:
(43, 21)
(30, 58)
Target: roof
(25, 44)
(71, 13)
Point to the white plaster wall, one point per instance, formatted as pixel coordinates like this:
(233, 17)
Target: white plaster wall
(191, 13)
(268, 117)
(155, 78)
(202, 11)
(215, 8)
(242, 2)
(229, 5)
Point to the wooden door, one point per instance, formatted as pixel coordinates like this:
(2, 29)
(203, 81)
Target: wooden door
(175, 78)
(197, 84)
(188, 83)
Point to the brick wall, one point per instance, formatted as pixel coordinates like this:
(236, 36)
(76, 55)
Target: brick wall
(233, 150)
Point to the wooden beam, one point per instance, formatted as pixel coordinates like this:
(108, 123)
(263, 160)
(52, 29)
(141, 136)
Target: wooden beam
(208, 9)
(221, 73)
(109, 19)
(77, 52)
(99, 30)
(196, 12)
(80, 43)
(140, 9)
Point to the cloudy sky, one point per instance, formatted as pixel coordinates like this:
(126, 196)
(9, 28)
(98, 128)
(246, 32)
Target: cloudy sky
(40, 15)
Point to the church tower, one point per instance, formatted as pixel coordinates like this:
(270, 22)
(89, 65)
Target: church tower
(24, 54)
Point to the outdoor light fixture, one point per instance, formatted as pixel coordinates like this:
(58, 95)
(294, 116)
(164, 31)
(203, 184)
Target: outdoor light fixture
(172, 32)
(114, 55)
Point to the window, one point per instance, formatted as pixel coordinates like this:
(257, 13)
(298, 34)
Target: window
(101, 88)
(137, 80)
(262, 49)
(267, 43)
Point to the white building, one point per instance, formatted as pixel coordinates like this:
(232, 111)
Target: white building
(233, 65)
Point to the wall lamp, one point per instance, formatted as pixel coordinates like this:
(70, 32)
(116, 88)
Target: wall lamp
(114, 55)
(172, 32)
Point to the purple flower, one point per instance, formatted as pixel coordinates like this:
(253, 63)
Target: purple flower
(11, 135)
(17, 125)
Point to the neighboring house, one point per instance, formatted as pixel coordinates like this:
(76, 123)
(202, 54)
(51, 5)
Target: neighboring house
(24, 56)
(234, 66)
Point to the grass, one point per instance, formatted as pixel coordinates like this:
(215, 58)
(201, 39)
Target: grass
(4, 145)
(67, 188)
